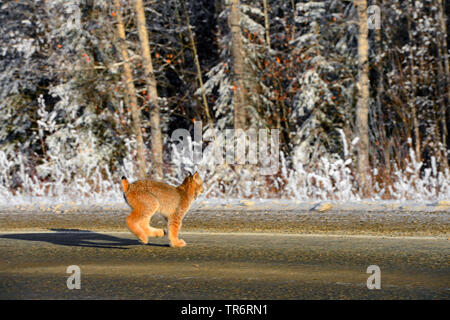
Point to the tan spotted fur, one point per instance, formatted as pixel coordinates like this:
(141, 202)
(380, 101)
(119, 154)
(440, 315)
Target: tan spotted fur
(146, 197)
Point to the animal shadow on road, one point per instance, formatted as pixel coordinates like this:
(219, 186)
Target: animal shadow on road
(79, 238)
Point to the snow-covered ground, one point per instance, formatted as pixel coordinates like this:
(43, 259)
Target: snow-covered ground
(56, 205)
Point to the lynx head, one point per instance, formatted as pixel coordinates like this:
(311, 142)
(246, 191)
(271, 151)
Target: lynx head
(194, 183)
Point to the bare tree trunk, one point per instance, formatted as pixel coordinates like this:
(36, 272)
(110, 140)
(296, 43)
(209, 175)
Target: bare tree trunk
(180, 34)
(384, 143)
(412, 99)
(362, 106)
(266, 24)
(135, 114)
(197, 65)
(294, 10)
(157, 145)
(446, 76)
(239, 101)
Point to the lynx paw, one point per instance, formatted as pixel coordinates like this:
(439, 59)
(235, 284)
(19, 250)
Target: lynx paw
(157, 233)
(143, 240)
(178, 243)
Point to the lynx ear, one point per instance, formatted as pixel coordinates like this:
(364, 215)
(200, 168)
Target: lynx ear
(196, 176)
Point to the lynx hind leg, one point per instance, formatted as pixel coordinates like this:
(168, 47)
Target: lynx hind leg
(149, 230)
(144, 206)
(134, 226)
(150, 205)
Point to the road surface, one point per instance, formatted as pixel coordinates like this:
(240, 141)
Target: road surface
(221, 265)
(343, 222)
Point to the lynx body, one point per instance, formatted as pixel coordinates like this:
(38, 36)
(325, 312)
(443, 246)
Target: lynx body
(146, 197)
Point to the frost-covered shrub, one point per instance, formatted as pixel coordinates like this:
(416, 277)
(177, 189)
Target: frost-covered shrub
(412, 183)
(76, 164)
(221, 179)
(86, 177)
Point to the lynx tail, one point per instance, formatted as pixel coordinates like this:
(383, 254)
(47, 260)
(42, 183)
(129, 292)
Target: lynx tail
(125, 184)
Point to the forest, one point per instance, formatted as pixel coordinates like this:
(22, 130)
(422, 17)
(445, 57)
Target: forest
(91, 90)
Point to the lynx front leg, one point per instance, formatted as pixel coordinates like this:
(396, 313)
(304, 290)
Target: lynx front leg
(174, 228)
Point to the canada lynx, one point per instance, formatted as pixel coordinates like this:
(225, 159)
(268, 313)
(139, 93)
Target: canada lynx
(146, 197)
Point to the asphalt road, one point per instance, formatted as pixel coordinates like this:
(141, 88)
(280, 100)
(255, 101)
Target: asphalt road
(341, 222)
(218, 265)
